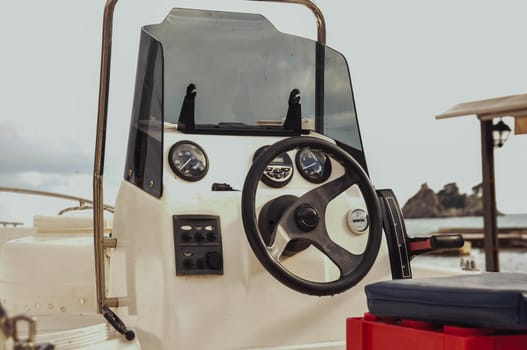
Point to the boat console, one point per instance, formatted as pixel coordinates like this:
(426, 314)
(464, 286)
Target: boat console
(245, 190)
(246, 217)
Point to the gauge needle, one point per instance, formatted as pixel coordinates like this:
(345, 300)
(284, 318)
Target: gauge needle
(185, 164)
(309, 166)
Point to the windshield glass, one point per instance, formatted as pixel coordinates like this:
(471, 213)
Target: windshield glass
(244, 71)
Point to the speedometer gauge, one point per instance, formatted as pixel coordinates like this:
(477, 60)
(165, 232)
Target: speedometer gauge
(313, 165)
(188, 160)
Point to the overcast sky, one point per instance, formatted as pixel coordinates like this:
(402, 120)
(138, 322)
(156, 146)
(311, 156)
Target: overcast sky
(409, 60)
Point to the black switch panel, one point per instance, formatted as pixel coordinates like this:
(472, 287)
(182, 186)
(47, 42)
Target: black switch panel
(198, 247)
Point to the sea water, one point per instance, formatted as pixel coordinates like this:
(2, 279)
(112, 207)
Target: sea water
(510, 260)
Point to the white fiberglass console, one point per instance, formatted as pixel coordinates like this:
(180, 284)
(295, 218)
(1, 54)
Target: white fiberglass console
(191, 277)
(238, 225)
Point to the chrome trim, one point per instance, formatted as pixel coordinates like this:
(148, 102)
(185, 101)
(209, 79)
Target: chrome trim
(280, 243)
(82, 201)
(321, 22)
(110, 243)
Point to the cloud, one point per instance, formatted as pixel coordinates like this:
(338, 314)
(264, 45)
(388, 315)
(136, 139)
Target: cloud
(37, 180)
(22, 154)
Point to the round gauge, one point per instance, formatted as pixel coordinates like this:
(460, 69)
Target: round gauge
(358, 221)
(313, 165)
(279, 172)
(188, 160)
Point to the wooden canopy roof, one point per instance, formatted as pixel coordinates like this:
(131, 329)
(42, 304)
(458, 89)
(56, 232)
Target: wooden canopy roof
(510, 106)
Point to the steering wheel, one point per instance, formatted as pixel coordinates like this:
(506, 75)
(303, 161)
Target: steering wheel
(304, 219)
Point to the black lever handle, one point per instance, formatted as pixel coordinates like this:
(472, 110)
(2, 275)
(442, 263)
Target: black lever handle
(449, 241)
(117, 324)
(417, 246)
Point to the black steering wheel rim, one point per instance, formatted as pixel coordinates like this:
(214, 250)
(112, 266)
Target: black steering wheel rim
(260, 248)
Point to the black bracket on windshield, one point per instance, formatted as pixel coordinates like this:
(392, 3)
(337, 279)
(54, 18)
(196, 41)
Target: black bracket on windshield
(292, 125)
(293, 120)
(186, 120)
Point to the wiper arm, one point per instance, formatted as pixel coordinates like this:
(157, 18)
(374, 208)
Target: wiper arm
(293, 120)
(186, 120)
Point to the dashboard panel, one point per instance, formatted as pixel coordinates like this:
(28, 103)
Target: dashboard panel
(189, 161)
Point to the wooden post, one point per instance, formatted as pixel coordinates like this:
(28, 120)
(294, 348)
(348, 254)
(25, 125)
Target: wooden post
(490, 226)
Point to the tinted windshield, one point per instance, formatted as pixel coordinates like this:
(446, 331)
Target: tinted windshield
(244, 71)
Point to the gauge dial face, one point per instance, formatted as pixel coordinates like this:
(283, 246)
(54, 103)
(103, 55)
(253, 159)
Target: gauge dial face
(188, 161)
(279, 172)
(358, 221)
(314, 165)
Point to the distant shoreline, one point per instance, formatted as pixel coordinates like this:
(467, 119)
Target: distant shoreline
(446, 203)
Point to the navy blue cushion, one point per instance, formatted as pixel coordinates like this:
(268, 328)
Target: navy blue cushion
(489, 300)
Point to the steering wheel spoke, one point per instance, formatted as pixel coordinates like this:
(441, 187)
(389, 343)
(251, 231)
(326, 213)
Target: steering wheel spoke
(346, 261)
(280, 242)
(324, 194)
(320, 197)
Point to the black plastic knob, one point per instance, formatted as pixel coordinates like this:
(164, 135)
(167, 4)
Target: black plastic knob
(307, 217)
(200, 264)
(213, 260)
(187, 264)
(211, 236)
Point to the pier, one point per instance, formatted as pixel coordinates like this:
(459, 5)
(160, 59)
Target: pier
(508, 237)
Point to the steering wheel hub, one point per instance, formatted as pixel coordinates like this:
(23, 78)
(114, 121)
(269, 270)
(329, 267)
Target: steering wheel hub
(307, 217)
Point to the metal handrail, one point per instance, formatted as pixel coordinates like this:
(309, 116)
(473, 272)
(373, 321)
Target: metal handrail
(102, 118)
(11, 223)
(82, 201)
(321, 22)
(98, 169)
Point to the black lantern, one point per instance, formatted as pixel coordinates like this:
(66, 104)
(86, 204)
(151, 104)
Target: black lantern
(500, 133)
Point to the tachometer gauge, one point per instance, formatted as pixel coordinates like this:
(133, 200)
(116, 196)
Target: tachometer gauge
(188, 160)
(313, 165)
(279, 172)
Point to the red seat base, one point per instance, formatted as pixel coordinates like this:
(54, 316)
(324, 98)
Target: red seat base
(373, 333)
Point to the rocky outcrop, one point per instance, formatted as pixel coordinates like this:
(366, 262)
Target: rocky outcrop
(424, 204)
(448, 202)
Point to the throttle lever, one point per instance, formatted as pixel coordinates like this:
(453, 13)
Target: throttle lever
(401, 247)
(418, 246)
